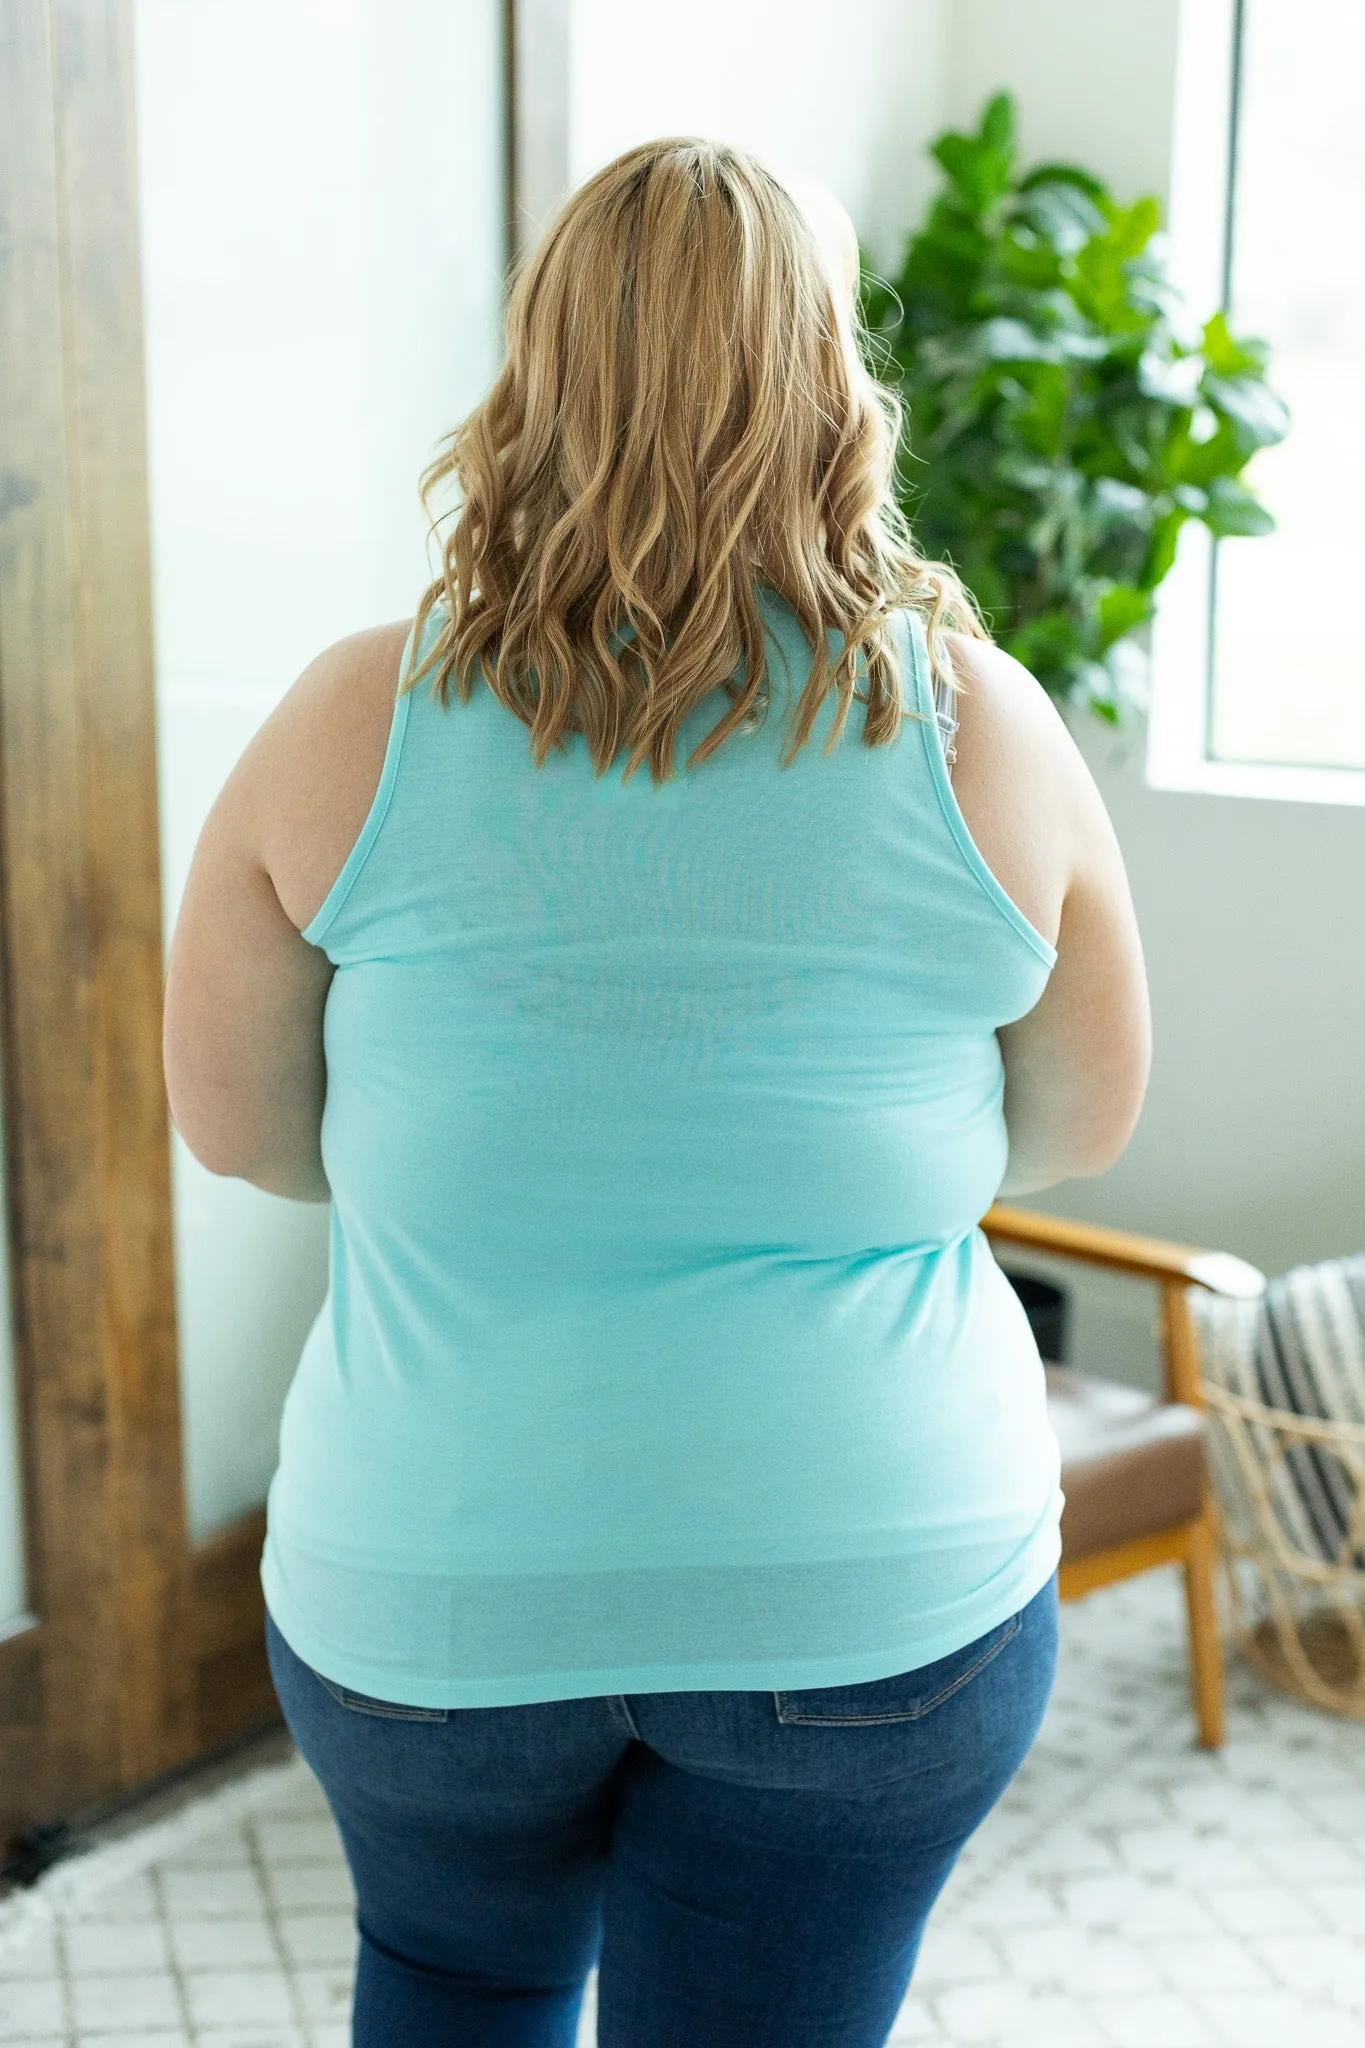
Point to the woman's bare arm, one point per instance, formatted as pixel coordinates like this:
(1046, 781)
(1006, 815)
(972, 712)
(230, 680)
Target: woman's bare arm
(245, 992)
(1076, 1066)
(242, 1038)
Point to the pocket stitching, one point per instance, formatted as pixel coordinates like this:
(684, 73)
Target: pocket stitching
(380, 1710)
(915, 1713)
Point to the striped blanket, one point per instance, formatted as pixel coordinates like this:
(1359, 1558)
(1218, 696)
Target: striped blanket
(1300, 1347)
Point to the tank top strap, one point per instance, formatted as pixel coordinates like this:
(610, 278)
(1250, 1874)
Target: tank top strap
(416, 650)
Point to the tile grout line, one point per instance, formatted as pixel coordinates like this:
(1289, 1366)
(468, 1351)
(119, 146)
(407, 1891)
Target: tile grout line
(72, 2039)
(156, 1878)
(261, 1865)
(74, 1881)
(1028, 1841)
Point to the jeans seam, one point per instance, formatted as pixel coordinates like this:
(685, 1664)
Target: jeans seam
(619, 1706)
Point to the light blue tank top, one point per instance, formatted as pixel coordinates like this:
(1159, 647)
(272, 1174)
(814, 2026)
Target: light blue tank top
(662, 1350)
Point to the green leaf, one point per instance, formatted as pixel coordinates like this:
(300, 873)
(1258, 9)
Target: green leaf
(1039, 418)
(1228, 357)
(997, 124)
(992, 592)
(1064, 214)
(1050, 641)
(940, 272)
(1233, 510)
(1027, 261)
(1066, 174)
(1173, 379)
(1010, 341)
(1121, 610)
(1199, 462)
(1115, 500)
(1162, 550)
(981, 174)
(1135, 225)
(1259, 418)
(1102, 287)
(1080, 348)
(1026, 471)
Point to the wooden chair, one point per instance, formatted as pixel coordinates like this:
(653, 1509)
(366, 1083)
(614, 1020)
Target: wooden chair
(1134, 1468)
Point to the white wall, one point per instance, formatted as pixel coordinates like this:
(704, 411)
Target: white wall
(1092, 79)
(1253, 1137)
(323, 252)
(840, 90)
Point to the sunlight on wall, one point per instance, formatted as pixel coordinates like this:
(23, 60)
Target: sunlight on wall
(322, 213)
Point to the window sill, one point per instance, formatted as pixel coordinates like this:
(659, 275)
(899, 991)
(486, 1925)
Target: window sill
(1280, 783)
(1177, 724)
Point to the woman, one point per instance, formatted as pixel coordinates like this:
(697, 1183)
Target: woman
(661, 1559)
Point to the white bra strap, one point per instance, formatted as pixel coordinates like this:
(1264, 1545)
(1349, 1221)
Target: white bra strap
(943, 717)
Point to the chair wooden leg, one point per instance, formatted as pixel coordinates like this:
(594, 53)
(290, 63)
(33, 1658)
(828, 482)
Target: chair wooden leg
(1206, 1648)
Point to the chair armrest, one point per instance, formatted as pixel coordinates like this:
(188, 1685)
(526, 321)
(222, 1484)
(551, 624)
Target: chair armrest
(1146, 1258)
(1176, 1268)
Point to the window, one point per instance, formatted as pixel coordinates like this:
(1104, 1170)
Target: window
(1259, 671)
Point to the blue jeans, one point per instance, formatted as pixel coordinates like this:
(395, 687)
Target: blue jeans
(746, 1869)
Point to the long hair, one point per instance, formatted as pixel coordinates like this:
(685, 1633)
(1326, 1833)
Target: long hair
(682, 417)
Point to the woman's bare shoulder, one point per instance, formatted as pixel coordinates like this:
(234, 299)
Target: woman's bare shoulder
(304, 786)
(1017, 778)
(1006, 691)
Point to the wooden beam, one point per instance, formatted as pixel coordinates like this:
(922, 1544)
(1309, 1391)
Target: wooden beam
(49, 951)
(111, 521)
(21, 1730)
(85, 1109)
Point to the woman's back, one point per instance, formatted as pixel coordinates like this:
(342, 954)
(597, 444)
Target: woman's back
(662, 1349)
(665, 1376)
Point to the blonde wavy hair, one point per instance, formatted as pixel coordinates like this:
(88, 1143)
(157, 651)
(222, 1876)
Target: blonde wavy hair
(681, 418)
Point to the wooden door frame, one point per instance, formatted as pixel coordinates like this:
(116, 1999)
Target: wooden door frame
(142, 1651)
(102, 1699)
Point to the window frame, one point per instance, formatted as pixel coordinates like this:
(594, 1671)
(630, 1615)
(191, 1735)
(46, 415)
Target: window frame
(1199, 213)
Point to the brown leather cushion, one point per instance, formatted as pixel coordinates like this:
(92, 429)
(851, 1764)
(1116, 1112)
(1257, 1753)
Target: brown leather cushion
(1131, 1466)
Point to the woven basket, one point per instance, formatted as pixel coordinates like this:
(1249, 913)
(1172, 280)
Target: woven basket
(1290, 1489)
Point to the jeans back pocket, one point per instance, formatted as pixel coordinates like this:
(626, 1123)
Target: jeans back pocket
(909, 1696)
(382, 1710)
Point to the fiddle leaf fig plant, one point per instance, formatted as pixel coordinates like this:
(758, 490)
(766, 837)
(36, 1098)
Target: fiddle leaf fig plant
(1064, 414)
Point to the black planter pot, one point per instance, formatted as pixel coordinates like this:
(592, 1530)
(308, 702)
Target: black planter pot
(1046, 1308)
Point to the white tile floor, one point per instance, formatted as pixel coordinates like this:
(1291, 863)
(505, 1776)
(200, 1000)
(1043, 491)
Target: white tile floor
(1129, 1892)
